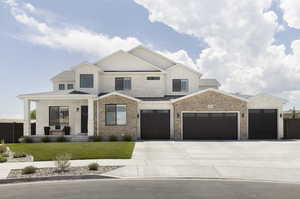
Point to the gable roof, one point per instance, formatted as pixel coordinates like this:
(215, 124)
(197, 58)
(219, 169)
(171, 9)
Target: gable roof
(133, 58)
(152, 57)
(264, 95)
(186, 67)
(101, 96)
(83, 64)
(210, 89)
(67, 75)
(209, 82)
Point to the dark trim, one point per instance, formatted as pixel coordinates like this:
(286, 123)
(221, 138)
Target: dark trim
(78, 92)
(136, 71)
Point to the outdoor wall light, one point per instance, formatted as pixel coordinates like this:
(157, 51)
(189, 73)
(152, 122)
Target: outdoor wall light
(77, 109)
(178, 115)
(138, 115)
(243, 114)
(280, 115)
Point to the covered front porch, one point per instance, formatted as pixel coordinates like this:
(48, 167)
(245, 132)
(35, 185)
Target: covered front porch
(70, 114)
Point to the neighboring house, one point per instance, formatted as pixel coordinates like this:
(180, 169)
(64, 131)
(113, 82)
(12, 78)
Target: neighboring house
(148, 96)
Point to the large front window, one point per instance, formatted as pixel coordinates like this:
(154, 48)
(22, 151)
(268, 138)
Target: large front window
(86, 81)
(122, 83)
(58, 115)
(180, 85)
(115, 114)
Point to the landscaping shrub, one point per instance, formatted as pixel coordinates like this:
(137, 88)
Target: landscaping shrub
(2, 158)
(25, 139)
(61, 139)
(3, 148)
(28, 170)
(45, 139)
(95, 138)
(62, 162)
(127, 138)
(6, 155)
(19, 155)
(93, 166)
(113, 138)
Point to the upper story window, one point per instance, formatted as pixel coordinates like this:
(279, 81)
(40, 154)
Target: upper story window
(122, 83)
(180, 85)
(153, 78)
(86, 81)
(61, 87)
(70, 86)
(115, 114)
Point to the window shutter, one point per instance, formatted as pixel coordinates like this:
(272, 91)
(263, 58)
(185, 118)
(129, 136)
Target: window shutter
(176, 85)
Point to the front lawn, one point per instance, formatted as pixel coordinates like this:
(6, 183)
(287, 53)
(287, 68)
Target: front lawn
(84, 150)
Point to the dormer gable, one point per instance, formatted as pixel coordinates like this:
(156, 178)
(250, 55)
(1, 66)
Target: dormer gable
(123, 61)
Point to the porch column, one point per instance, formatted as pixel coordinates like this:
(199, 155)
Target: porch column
(90, 117)
(27, 121)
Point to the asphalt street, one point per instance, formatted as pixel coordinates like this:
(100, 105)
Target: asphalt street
(149, 189)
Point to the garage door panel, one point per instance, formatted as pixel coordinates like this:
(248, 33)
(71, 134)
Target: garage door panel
(155, 124)
(262, 123)
(210, 126)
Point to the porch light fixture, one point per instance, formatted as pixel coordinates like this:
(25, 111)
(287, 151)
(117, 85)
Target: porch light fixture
(138, 115)
(243, 114)
(178, 115)
(77, 109)
(280, 115)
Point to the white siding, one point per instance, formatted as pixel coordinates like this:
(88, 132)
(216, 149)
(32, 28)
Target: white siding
(87, 69)
(42, 113)
(179, 72)
(123, 61)
(140, 86)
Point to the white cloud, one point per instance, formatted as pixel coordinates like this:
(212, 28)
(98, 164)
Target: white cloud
(291, 12)
(240, 35)
(69, 37)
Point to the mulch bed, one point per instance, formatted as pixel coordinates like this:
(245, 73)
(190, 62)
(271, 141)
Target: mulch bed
(52, 172)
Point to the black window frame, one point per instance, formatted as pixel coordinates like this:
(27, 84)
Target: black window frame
(61, 87)
(58, 122)
(177, 85)
(120, 83)
(86, 77)
(116, 113)
(153, 78)
(68, 86)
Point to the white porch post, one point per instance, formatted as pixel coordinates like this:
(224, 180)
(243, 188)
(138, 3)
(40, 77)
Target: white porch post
(90, 117)
(27, 122)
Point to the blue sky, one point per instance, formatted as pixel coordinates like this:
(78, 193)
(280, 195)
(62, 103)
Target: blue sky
(27, 64)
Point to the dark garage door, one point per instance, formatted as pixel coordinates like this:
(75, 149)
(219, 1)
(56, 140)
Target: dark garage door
(210, 126)
(155, 124)
(262, 124)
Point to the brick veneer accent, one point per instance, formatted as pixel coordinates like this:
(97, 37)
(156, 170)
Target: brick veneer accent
(220, 102)
(129, 129)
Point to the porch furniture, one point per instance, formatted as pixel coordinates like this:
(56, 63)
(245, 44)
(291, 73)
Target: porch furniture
(67, 130)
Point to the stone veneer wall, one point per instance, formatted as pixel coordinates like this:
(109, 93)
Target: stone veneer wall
(219, 101)
(129, 129)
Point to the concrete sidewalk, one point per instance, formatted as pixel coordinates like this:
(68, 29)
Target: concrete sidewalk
(264, 160)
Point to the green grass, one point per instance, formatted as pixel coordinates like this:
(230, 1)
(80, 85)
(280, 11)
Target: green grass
(85, 150)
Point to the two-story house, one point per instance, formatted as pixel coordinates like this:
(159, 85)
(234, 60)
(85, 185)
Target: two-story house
(148, 96)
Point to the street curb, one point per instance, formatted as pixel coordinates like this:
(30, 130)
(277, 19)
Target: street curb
(54, 178)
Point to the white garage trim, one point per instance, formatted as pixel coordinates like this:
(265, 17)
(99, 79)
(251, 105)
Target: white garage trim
(238, 119)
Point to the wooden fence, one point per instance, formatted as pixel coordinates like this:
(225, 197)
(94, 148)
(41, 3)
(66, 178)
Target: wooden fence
(292, 128)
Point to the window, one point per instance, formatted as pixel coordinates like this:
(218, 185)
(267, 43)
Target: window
(70, 86)
(153, 78)
(61, 87)
(86, 81)
(115, 114)
(58, 115)
(180, 85)
(123, 83)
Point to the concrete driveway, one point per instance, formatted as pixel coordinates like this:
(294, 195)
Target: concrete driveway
(259, 160)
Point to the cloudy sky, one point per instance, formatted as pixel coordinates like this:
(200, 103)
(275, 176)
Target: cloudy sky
(250, 46)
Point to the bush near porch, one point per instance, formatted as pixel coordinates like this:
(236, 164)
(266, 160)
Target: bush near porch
(83, 150)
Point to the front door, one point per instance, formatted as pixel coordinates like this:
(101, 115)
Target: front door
(84, 119)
